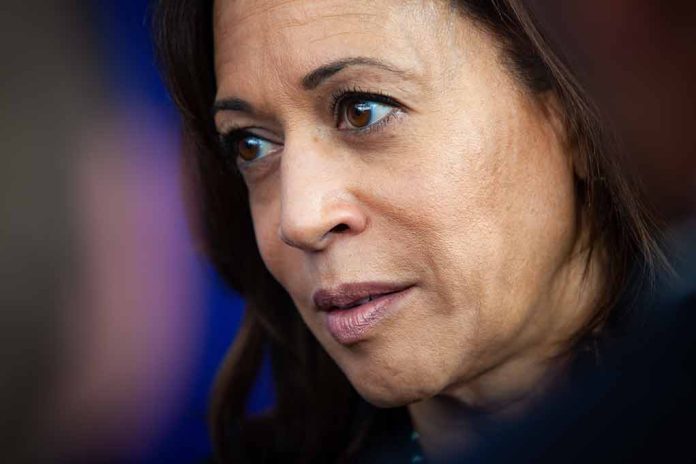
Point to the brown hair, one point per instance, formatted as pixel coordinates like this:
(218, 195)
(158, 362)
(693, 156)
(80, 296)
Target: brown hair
(315, 417)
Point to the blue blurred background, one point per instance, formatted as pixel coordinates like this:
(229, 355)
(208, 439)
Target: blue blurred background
(122, 32)
(124, 41)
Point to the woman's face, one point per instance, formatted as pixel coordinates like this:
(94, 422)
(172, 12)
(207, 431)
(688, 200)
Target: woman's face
(412, 197)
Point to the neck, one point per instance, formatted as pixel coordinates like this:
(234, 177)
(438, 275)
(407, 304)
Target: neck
(450, 423)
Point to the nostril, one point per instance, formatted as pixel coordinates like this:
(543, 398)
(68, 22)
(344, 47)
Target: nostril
(339, 228)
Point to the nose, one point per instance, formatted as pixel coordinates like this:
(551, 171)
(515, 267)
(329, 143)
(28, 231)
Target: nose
(318, 201)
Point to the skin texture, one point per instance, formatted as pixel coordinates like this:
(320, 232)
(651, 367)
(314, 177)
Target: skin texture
(466, 192)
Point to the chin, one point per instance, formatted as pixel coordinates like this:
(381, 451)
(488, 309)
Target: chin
(393, 392)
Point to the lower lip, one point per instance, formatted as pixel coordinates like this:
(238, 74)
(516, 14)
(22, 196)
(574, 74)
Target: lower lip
(348, 326)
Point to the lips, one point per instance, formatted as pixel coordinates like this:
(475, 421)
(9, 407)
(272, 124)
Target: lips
(352, 310)
(348, 296)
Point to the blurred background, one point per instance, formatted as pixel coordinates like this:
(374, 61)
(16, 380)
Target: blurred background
(111, 323)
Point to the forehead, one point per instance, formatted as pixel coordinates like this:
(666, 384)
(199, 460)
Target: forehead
(259, 39)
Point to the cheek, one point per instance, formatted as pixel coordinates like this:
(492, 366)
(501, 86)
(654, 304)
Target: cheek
(514, 229)
(492, 218)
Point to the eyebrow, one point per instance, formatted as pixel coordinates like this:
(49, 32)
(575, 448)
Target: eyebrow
(311, 81)
(233, 104)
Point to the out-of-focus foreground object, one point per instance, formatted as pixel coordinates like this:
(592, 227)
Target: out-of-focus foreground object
(41, 99)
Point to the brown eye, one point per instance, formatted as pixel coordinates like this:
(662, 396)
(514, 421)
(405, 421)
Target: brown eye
(248, 148)
(359, 114)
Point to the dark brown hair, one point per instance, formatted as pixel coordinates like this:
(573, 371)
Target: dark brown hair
(316, 417)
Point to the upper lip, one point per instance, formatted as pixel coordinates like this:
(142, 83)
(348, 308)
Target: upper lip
(352, 294)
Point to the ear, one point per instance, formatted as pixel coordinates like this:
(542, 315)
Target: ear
(560, 125)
